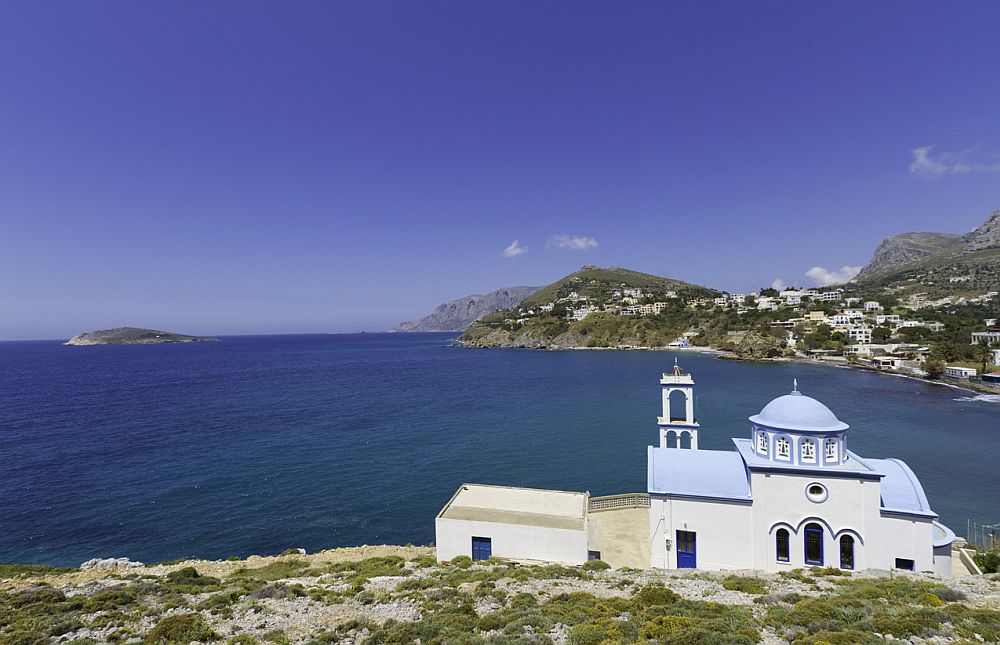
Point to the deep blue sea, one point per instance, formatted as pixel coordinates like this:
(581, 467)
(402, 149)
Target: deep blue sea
(258, 444)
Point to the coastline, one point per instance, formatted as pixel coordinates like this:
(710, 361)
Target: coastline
(972, 388)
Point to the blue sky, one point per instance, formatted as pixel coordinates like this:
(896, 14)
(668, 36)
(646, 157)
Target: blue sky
(334, 166)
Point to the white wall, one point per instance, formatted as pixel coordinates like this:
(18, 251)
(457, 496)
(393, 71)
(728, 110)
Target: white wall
(903, 537)
(514, 541)
(723, 532)
(851, 507)
(739, 536)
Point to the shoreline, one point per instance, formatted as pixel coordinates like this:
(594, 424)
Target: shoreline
(971, 388)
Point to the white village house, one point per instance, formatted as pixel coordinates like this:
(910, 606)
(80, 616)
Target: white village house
(791, 494)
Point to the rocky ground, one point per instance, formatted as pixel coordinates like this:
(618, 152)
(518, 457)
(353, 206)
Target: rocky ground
(390, 594)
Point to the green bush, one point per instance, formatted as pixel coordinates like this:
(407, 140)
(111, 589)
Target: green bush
(745, 584)
(180, 629)
(987, 562)
(425, 561)
(462, 561)
(275, 571)
(595, 565)
(930, 600)
(830, 571)
(654, 595)
(11, 571)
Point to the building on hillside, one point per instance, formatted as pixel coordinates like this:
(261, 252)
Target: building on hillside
(872, 306)
(831, 296)
(791, 494)
(988, 336)
(954, 371)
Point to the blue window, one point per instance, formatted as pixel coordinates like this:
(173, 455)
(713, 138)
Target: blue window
(482, 548)
(781, 545)
(846, 552)
(814, 544)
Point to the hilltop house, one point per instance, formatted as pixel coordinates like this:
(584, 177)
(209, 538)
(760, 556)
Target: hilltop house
(789, 495)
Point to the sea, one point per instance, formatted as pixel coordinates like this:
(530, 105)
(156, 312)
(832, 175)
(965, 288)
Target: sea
(256, 444)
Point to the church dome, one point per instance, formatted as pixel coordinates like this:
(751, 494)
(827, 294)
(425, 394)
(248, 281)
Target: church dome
(796, 411)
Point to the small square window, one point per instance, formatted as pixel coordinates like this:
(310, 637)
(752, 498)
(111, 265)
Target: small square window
(904, 563)
(593, 555)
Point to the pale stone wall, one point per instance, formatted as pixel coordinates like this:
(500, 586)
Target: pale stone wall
(621, 535)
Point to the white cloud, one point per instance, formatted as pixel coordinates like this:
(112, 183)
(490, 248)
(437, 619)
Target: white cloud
(778, 284)
(515, 249)
(946, 163)
(574, 242)
(824, 277)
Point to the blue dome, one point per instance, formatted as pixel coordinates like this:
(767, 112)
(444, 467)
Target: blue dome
(798, 412)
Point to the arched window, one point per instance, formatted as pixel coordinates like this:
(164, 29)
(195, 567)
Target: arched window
(685, 439)
(814, 544)
(831, 450)
(781, 545)
(782, 448)
(846, 552)
(808, 451)
(762, 443)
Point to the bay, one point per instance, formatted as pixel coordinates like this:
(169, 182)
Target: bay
(260, 443)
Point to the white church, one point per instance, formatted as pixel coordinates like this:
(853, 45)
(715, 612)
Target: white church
(791, 494)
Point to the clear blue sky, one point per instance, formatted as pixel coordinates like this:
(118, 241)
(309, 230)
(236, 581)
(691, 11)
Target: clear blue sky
(250, 167)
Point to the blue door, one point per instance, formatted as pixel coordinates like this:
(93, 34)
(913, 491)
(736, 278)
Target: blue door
(482, 548)
(686, 549)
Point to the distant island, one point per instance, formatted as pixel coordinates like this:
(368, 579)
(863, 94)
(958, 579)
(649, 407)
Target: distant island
(133, 336)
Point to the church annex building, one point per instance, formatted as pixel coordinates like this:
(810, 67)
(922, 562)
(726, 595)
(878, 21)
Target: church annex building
(789, 495)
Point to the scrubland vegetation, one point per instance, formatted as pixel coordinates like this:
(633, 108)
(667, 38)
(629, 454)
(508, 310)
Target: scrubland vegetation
(395, 599)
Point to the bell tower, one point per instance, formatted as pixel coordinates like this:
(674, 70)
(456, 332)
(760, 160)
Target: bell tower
(678, 415)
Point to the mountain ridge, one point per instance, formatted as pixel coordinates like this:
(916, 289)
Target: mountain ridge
(458, 314)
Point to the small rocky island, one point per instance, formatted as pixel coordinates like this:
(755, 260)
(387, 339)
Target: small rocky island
(133, 336)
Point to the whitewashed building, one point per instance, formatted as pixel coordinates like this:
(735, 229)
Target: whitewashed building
(790, 494)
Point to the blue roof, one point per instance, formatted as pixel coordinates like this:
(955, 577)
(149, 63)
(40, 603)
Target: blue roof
(901, 490)
(796, 411)
(717, 474)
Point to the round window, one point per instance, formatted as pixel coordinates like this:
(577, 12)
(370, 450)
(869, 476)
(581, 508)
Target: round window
(816, 492)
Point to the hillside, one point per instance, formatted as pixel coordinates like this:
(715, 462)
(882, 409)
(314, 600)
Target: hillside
(384, 594)
(907, 248)
(936, 265)
(132, 336)
(458, 314)
(593, 307)
(593, 280)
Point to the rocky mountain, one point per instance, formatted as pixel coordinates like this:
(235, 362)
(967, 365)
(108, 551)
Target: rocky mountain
(907, 248)
(986, 236)
(910, 250)
(132, 336)
(458, 314)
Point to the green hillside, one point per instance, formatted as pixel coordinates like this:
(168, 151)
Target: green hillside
(545, 319)
(596, 282)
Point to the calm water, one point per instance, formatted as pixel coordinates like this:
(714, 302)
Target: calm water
(257, 444)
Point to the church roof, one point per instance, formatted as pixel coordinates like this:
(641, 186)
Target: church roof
(850, 467)
(798, 412)
(901, 490)
(715, 474)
